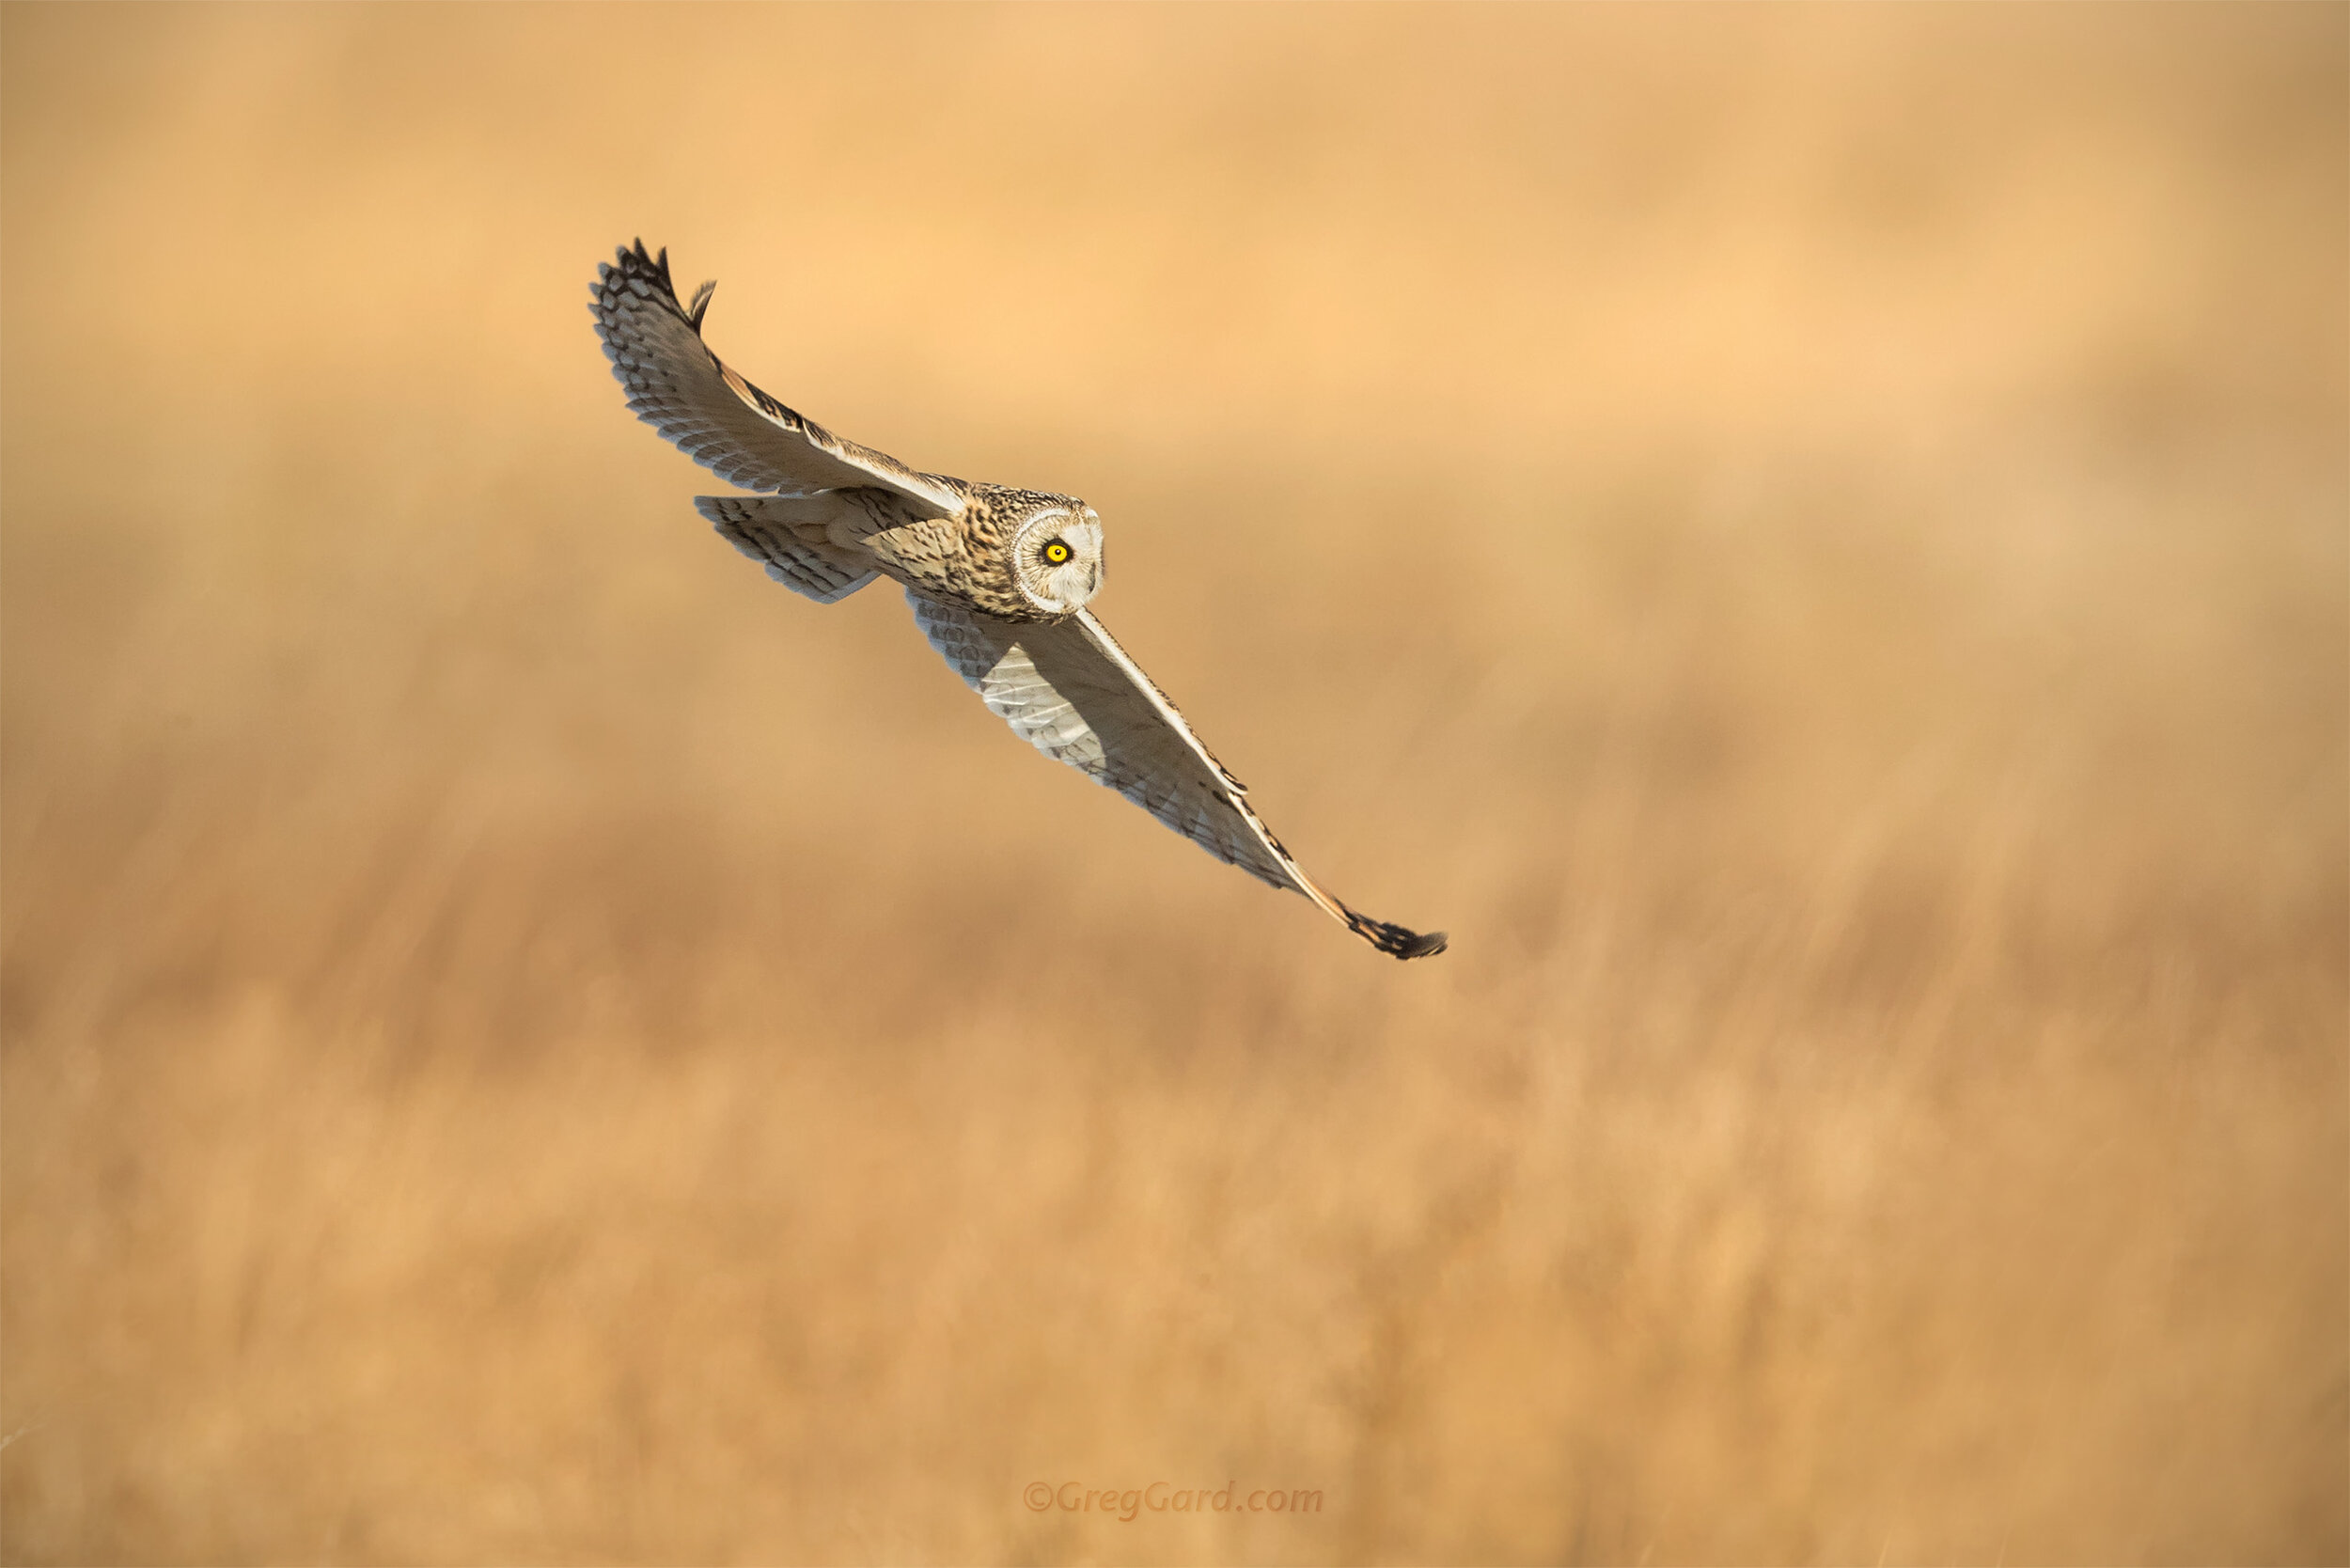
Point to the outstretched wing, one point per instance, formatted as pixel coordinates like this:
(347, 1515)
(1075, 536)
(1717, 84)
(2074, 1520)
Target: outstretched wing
(723, 422)
(1069, 690)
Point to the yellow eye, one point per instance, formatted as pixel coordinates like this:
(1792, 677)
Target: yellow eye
(1056, 552)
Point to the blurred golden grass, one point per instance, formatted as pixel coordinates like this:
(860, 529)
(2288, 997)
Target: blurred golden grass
(1813, 540)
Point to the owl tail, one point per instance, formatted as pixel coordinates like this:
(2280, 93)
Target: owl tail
(761, 526)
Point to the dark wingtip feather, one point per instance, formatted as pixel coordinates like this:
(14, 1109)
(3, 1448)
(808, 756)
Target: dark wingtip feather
(1394, 940)
(1426, 946)
(636, 263)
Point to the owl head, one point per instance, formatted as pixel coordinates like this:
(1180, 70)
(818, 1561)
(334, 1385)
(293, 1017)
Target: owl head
(1057, 558)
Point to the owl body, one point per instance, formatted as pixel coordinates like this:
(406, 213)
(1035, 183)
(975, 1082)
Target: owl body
(1023, 556)
(998, 577)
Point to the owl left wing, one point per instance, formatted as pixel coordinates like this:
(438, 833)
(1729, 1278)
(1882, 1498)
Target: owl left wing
(718, 418)
(1069, 690)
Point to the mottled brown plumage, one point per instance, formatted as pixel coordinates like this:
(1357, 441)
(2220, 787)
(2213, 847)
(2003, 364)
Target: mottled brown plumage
(998, 577)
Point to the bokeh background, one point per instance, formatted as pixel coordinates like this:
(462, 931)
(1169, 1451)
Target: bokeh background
(1815, 541)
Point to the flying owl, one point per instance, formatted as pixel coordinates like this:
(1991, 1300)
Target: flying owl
(998, 579)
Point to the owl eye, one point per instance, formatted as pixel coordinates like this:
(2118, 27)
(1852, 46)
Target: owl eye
(1056, 552)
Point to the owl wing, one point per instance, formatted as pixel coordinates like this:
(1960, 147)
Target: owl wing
(1069, 690)
(720, 420)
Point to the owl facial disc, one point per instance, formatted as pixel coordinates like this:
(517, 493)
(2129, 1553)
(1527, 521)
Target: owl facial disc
(1057, 559)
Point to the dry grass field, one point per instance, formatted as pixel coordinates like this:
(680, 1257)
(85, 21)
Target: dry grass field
(1816, 541)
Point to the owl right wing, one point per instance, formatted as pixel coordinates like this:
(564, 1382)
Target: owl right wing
(720, 420)
(1069, 690)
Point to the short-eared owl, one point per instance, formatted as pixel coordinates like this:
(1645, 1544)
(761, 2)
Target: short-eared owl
(998, 579)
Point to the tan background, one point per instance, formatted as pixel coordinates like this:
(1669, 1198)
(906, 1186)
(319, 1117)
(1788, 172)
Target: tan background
(1813, 540)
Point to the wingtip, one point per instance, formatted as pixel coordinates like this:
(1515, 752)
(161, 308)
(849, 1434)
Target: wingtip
(636, 263)
(1396, 941)
(1428, 946)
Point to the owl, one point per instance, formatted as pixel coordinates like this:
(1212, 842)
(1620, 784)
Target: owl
(999, 578)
